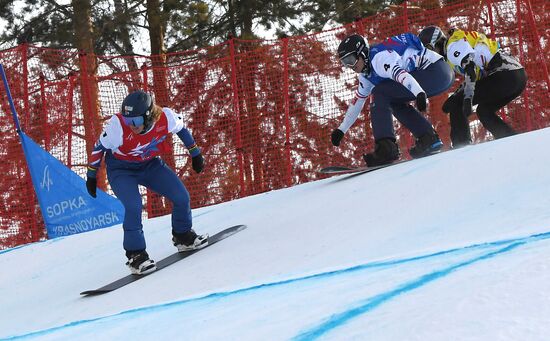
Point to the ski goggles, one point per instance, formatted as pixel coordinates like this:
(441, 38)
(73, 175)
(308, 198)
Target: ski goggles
(133, 121)
(350, 59)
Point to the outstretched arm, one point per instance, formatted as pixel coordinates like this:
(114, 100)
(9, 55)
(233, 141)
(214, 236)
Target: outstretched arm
(352, 113)
(354, 109)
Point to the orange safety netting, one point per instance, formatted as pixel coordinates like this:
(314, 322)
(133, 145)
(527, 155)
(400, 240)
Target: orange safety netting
(261, 111)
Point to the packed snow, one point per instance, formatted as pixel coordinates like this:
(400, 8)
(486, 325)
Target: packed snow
(454, 246)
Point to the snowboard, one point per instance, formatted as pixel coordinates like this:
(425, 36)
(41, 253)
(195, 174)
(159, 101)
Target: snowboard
(346, 170)
(173, 258)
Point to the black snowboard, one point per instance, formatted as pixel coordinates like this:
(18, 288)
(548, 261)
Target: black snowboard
(345, 170)
(164, 262)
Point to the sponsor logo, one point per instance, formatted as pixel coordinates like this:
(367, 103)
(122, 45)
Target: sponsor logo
(88, 224)
(65, 206)
(46, 179)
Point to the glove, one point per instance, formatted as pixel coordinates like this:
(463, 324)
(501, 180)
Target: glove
(452, 101)
(448, 105)
(198, 163)
(336, 137)
(467, 107)
(421, 101)
(91, 186)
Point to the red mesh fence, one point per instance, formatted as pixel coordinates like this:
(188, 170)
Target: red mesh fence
(261, 111)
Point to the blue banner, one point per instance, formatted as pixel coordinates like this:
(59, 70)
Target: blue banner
(66, 206)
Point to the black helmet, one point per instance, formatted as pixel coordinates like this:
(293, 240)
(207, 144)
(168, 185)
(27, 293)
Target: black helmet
(351, 48)
(136, 109)
(434, 39)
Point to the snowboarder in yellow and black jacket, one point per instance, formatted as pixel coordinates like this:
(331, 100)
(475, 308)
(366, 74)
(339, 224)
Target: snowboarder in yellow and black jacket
(492, 79)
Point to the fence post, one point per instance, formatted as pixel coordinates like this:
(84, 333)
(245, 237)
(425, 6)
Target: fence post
(286, 96)
(408, 138)
(89, 89)
(360, 27)
(493, 36)
(540, 52)
(491, 21)
(145, 87)
(25, 57)
(405, 17)
(528, 119)
(71, 114)
(145, 77)
(44, 113)
(36, 231)
(85, 98)
(236, 110)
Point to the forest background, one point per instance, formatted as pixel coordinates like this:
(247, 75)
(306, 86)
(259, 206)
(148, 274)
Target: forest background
(120, 27)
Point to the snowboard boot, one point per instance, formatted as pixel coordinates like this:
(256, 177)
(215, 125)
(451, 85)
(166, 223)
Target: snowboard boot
(426, 144)
(139, 262)
(385, 152)
(188, 241)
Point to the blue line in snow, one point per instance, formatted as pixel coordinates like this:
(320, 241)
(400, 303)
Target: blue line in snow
(11, 249)
(340, 319)
(372, 303)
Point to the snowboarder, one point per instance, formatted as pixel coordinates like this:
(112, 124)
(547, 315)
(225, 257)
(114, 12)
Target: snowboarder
(131, 142)
(492, 79)
(395, 72)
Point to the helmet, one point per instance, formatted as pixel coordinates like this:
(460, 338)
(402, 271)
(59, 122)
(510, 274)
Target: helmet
(434, 39)
(136, 109)
(351, 48)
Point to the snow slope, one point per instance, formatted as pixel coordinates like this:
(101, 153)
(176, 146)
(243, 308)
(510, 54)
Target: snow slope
(455, 246)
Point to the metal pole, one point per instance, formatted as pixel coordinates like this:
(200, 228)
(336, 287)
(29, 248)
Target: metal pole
(287, 113)
(10, 100)
(236, 110)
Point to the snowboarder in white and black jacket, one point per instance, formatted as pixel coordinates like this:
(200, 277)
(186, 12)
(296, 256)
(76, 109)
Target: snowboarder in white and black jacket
(492, 79)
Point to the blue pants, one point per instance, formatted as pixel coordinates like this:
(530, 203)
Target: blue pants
(392, 97)
(154, 174)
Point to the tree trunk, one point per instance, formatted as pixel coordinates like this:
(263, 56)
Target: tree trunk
(84, 41)
(231, 12)
(246, 17)
(125, 39)
(158, 53)
(157, 26)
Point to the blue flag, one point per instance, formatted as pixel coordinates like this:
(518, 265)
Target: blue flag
(66, 206)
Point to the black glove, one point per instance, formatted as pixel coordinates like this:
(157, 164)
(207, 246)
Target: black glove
(448, 104)
(467, 107)
(336, 137)
(421, 101)
(91, 186)
(198, 163)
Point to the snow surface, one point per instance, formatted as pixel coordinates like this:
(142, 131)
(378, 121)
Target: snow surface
(455, 246)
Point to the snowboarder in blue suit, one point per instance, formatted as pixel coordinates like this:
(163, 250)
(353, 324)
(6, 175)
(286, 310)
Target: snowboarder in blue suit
(131, 142)
(395, 72)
